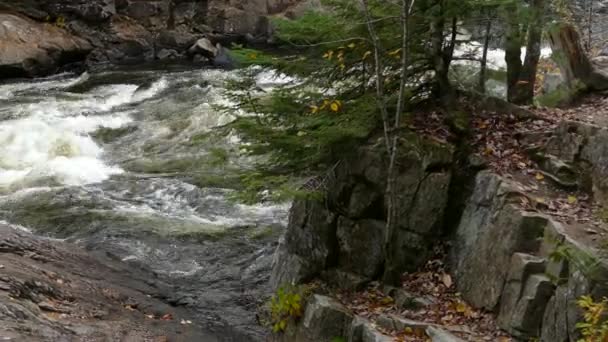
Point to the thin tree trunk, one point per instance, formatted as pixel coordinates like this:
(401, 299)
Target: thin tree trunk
(521, 77)
(513, 45)
(392, 198)
(444, 89)
(524, 88)
(380, 95)
(484, 58)
(590, 25)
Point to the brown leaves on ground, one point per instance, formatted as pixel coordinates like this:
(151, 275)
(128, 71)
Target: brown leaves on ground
(448, 309)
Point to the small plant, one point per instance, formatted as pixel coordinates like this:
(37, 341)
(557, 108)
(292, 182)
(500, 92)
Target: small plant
(285, 307)
(594, 328)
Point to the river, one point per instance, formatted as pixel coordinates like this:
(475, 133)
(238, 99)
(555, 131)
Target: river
(117, 163)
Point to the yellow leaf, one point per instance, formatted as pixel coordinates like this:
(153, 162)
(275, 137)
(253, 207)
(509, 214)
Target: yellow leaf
(314, 109)
(329, 55)
(408, 331)
(539, 176)
(253, 56)
(335, 106)
(395, 52)
(366, 54)
(572, 199)
(342, 66)
(352, 45)
(325, 104)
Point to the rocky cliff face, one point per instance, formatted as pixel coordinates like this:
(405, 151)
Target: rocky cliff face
(345, 238)
(528, 264)
(38, 37)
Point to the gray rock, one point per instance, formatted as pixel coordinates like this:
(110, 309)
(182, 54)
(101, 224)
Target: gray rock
(345, 280)
(362, 330)
(203, 47)
(167, 54)
(308, 243)
(523, 267)
(405, 300)
(360, 243)
(171, 39)
(440, 335)
(491, 229)
(223, 59)
(555, 319)
(551, 82)
(361, 246)
(32, 49)
(527, 317)
(324, 320)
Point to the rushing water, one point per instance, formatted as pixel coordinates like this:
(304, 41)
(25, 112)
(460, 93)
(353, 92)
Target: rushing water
(114, 162)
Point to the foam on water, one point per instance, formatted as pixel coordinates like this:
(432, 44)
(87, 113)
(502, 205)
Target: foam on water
(49, 142)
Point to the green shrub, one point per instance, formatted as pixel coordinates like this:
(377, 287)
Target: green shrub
(594, 327)
(285, 307)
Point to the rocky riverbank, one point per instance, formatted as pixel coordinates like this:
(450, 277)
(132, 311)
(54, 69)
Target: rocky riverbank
(51, 291)
(43, 37)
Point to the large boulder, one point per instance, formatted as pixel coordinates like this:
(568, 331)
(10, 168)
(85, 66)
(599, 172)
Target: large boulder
(29, 48)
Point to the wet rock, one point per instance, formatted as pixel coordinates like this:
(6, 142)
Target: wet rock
(223, 59)
(33, 49)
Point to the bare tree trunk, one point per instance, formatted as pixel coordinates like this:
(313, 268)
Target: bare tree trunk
(484, 57)
(521, 77)
(590, 25)
(444, 89)
(513, 45)
(390, 276)
(574, 64)
(171, 18)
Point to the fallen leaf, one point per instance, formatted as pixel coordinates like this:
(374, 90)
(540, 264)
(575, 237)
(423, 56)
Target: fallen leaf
(167, 317)
(447, 280)
(540, 176)
(572, 199)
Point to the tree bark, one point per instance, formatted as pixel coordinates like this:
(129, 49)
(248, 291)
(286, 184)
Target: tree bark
(444, 90)
(575, 66)
(484, 58)
(521, 77)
